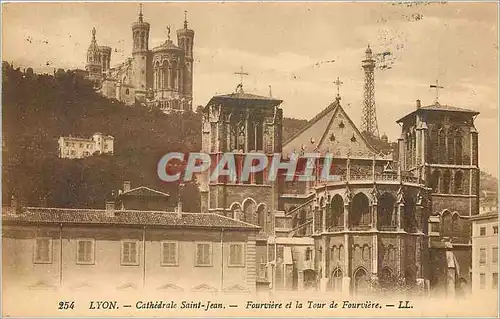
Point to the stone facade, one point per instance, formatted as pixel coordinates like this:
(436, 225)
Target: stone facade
(383, 215)
(161, 77)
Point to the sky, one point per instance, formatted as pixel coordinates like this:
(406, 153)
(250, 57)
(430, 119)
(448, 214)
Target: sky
(299, 49)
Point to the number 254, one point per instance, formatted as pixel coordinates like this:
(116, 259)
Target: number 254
(66, 305)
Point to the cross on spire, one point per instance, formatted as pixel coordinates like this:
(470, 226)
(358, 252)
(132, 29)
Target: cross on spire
(241, 73)
(437, 87)
(140, 12)
(338, 83)
(168, 32)
(185, 19)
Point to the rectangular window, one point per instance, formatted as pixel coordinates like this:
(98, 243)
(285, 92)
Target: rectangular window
(169, 253)
(482, 231)
(130, 253)
(203, 254)
(482, 255)
(81, 144)
(85, 251)
(482, 281)
(494, 283)
(43, 251)
(494, 255)
(495, 229)
(236, 255)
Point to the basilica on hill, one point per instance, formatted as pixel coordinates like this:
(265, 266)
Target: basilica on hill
(400, 214)
(159, 77)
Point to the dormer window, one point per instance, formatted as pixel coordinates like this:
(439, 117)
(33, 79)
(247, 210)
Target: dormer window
(353, 138)
(341, 124)
(332, 137)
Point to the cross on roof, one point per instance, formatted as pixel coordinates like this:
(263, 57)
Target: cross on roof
(338, 83)
(168, 31)
(241, 73)
(437, 87)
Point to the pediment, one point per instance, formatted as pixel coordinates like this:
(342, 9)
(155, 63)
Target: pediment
(331, 131)
(42, 284)
(127, 286)
(204, 288)
(171, 287)
(236, 289)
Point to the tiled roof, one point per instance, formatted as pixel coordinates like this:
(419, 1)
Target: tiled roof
(439, 107)
(125, 217)
(144, 191)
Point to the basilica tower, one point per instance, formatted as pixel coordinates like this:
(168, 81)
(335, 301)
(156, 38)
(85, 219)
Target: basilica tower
(94, 65)
(140, 55)
(185, 40)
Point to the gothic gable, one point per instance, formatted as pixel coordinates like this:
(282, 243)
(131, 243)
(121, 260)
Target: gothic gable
(330, 131)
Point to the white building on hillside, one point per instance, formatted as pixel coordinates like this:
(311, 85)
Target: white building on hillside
(79, 147)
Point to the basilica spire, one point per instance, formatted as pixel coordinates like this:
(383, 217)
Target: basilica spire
(140, 13)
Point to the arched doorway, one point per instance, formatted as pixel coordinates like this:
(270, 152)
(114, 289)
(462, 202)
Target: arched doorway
(385, 278)
(336, 280)
(336, 213)
(309, 279)
(360, 281)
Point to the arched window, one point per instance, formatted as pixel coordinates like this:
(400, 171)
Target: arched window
(410, 223)
(455, 226)
(451, 146)
(458, 147)
(360, 281)
(434, 150)
(127, 91)
(173, 80)
(442, 146)
(261, 216)
(308, 253)
(341, 253)
(385, 210)
(446, 224)
(391, 252)
(334, 254)
(458, 189)
(366, 253)
(336, 212)
(249, 211)
(435, 180)
(360, 211)
(446, 182)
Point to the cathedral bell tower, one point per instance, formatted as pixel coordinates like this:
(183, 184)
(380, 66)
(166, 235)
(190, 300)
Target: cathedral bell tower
(140, 55)
(185, 40)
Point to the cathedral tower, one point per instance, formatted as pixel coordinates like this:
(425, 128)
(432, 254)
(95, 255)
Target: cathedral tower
(140, 55)
(185, 40)
(94, 65)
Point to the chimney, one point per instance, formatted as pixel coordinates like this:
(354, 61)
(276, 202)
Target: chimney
(418, 104)
(126, 186)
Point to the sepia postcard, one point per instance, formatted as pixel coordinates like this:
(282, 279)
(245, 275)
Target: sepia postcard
(250, 159)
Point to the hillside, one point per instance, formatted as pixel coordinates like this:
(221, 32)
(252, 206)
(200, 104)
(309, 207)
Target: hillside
(37, 109)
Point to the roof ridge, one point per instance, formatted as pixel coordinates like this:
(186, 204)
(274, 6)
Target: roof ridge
(148, 188)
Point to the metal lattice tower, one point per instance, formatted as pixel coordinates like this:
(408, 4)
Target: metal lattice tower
(369, 118)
